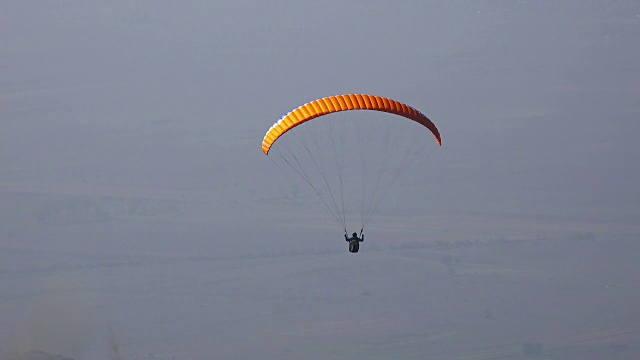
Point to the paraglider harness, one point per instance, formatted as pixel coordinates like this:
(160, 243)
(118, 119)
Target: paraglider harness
(354, 241)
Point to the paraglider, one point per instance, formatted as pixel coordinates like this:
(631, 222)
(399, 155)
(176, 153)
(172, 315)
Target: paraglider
(333, 104)
(351, 159)
(354, 241)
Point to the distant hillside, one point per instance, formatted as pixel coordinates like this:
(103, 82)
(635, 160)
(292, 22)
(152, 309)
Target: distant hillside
(36, 355)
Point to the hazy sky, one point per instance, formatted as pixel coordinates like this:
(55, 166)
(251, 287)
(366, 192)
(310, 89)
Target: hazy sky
(134, 192)
(536, 100)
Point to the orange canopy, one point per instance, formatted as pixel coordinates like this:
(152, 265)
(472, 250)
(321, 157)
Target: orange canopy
(346, 102)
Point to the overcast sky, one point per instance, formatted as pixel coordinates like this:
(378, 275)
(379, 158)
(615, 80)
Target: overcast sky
(134, 194)
(537, 101)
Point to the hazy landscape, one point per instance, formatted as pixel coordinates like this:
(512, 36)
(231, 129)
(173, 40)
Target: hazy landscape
(139, 218)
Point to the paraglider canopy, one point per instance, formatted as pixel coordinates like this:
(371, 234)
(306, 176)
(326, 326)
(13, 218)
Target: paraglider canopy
(346, 102)
(351, 159)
